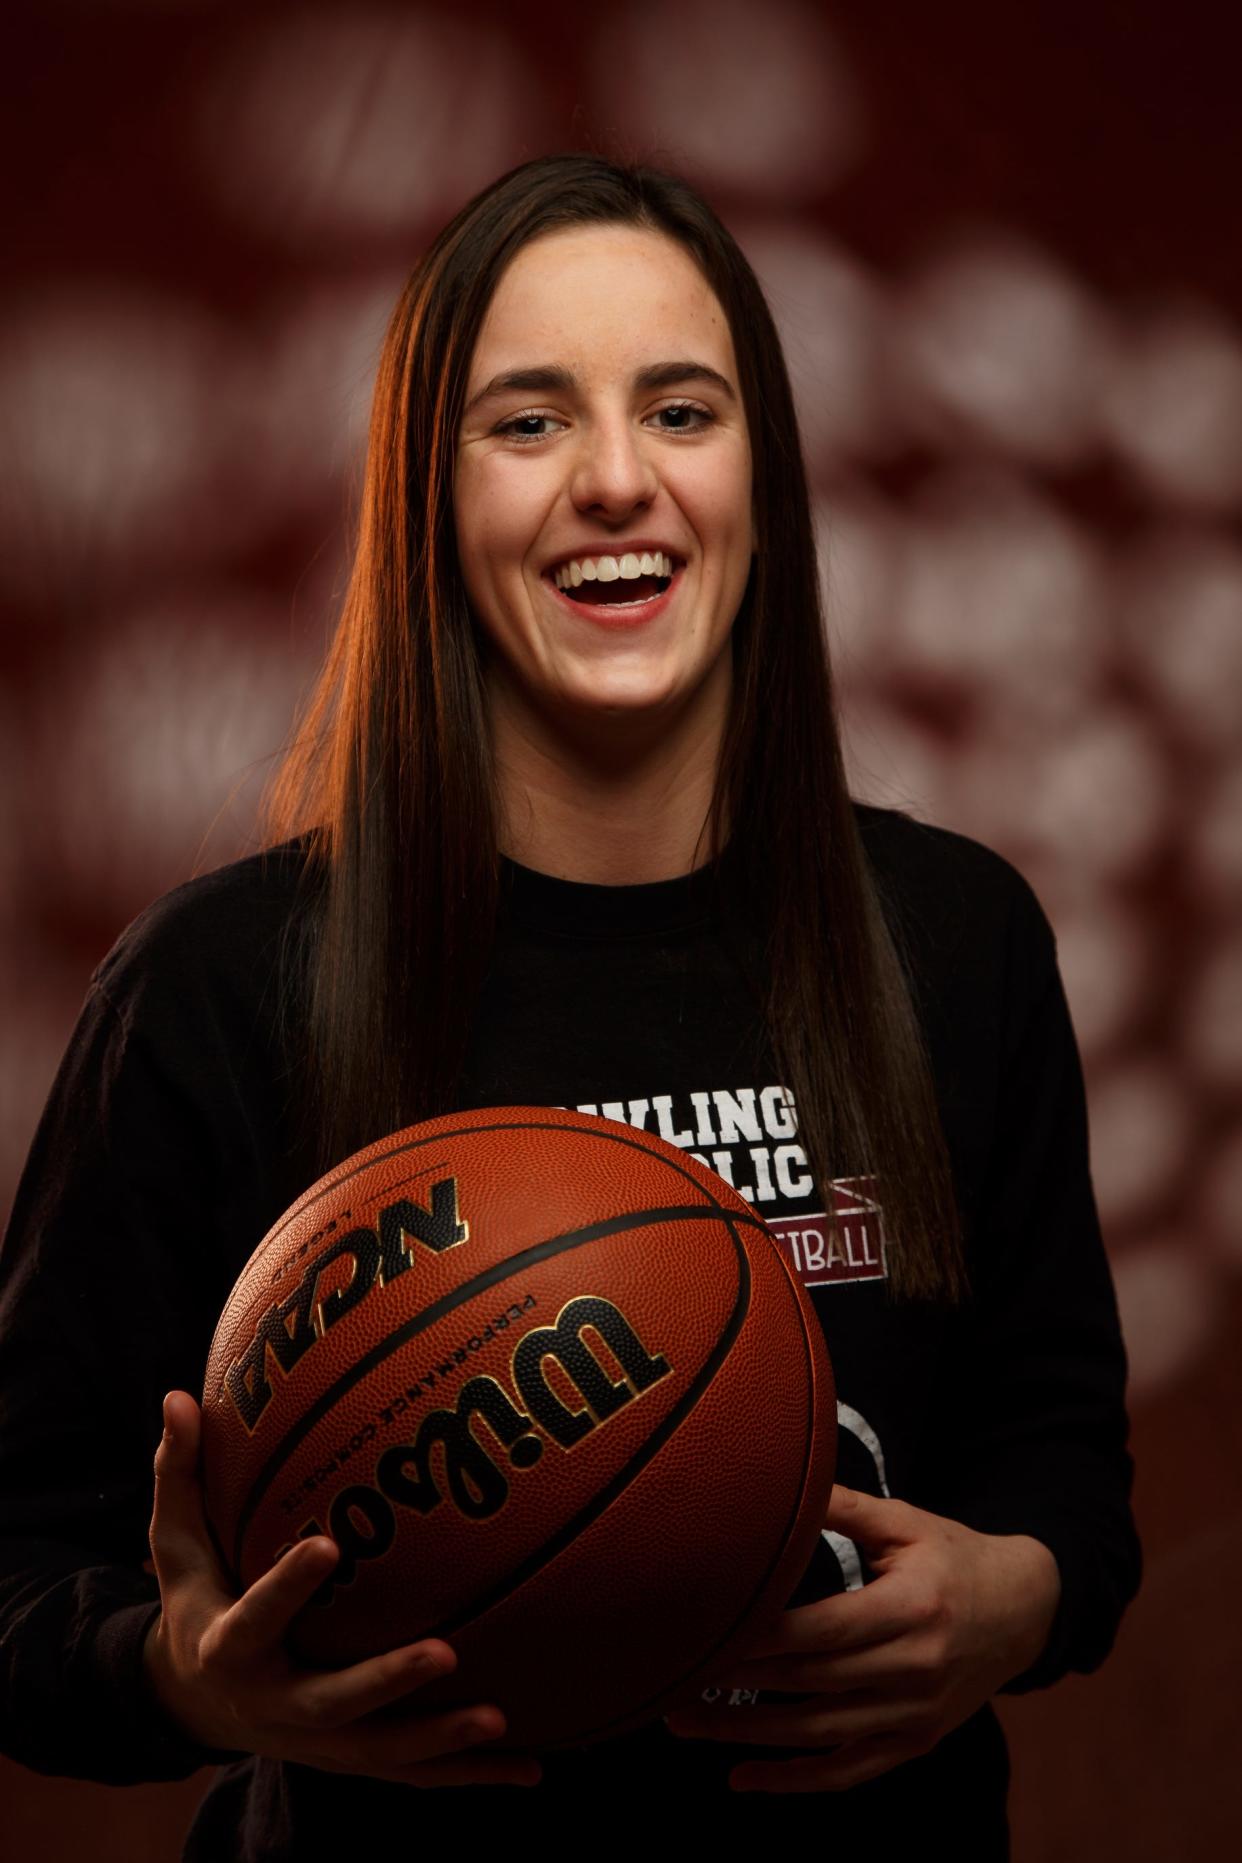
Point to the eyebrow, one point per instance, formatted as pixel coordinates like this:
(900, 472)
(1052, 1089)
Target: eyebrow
(552, 376)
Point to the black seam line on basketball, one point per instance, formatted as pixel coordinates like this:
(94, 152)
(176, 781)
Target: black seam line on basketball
(312, 1196)
(599, 1503)
(653, 1702)
(409, 1329)
(412, 1177)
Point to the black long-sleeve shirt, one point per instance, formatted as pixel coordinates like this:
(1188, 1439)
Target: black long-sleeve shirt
(166, 1151)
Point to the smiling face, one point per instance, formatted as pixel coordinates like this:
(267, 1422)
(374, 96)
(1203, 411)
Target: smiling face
(626, 436)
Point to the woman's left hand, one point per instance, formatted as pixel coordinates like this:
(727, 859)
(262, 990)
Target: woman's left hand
(888, 1669)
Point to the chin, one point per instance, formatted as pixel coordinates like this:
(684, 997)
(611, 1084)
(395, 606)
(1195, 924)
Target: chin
(622, 698)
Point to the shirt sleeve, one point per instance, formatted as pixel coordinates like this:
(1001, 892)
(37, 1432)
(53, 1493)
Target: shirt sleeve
(102, 1305)
(1036, 1377)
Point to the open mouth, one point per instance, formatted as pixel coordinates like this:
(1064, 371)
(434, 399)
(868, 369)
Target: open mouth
(619, 597)
(619, 594)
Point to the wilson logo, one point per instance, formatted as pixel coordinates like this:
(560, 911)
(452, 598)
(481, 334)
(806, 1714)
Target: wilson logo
(469, 1454)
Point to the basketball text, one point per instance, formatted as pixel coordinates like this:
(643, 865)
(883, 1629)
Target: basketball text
(334, 1283)
(449, 1458)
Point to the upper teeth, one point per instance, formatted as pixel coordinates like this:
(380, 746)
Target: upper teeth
(608, 568)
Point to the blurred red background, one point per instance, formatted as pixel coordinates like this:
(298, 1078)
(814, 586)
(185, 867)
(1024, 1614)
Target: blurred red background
(1000, 246)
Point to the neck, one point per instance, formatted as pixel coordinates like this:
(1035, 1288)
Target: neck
(611, 800)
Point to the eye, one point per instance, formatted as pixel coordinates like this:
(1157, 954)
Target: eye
(676, 418)
(686, 407)
(510, 426)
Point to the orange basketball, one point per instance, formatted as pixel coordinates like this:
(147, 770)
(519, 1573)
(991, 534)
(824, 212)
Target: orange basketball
(549, 1384)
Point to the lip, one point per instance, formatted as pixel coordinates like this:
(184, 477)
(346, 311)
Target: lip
(608, 615)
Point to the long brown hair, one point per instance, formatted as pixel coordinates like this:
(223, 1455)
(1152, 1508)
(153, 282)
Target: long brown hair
(389, 772)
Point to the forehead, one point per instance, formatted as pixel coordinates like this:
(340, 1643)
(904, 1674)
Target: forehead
(603, 294)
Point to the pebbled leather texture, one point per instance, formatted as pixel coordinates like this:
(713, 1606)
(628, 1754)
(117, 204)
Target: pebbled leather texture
(551, 1387)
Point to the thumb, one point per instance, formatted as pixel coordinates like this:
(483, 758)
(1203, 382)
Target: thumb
(180, 1543)
(870, 1520)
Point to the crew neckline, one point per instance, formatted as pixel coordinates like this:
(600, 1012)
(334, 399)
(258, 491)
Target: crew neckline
(588, 909)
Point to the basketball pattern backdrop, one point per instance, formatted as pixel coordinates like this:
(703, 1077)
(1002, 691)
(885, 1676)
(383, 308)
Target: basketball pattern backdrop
(527, 1367)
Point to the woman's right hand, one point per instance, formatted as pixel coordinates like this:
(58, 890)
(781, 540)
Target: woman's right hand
(218, 1665)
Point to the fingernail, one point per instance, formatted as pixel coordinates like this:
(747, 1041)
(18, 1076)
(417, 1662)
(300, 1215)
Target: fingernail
(168, 1428)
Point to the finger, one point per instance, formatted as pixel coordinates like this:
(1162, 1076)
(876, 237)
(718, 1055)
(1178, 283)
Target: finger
(180, 1543)
(852, 1764)
(875, 1521)
(849, 1620)
(876, 1666)
(404, 1747)
(258, 1621)
(335, 1698)
(816, 1722)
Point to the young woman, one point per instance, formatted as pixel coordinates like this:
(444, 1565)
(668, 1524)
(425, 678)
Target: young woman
(566, 824)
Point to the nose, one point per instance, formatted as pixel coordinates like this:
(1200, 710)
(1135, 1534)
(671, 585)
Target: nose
(612, 471)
